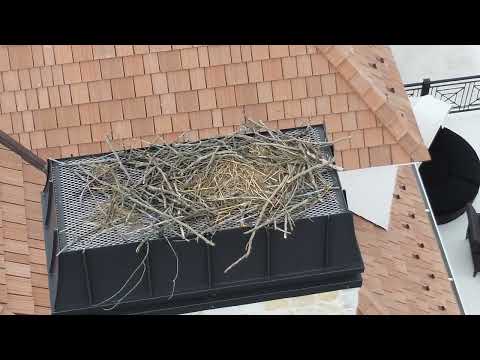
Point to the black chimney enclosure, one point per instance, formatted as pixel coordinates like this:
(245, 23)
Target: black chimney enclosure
(321, 255)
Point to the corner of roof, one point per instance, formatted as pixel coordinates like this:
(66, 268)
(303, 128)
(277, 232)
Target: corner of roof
(373, 83)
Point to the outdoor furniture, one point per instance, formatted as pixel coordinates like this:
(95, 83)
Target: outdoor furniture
(452, 177)
(473, 235)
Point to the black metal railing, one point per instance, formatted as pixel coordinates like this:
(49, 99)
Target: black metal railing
(463, 92)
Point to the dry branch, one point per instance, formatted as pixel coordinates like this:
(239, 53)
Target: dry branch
(254, 178)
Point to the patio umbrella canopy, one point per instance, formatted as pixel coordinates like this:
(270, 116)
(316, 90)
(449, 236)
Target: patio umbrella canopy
(452, 177)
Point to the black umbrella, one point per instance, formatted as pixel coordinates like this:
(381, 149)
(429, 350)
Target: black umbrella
(452, 177)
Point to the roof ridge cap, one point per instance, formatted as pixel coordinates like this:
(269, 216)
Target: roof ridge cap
(342, 57)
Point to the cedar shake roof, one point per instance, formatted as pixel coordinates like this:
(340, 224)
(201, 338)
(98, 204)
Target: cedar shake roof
(62, 100)
(372, 73)
(399, 263)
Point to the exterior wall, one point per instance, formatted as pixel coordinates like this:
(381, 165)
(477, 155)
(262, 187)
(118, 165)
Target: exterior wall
(341, 302)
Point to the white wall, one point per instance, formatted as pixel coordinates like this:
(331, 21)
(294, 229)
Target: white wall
(341, 302)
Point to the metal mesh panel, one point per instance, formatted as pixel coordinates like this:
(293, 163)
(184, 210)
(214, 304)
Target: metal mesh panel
(75, 231)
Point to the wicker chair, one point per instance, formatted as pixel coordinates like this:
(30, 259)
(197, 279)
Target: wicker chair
(473, 235)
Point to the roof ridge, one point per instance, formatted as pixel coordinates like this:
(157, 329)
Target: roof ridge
(395, 120)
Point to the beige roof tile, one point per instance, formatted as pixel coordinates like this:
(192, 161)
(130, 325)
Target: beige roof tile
(178, 81)
(122, 88)
(187, 101)
(201, 120)
(169, 61)
(111, 68)
(197, 78)
(180, 122)
(4, 58)
(259, 52)
(159, 83)
(79, 93)
(189, 58)
(236, 54)
(80, 134)
(163, 124)
(143, 127)
(236, 74)
(82, 53)
(215, 76)
(304, 65)
(103, 51)
(246, 94)
(133, 65)
(89, 113)
(219, 55)
(134, 108)
(272, 69)
(20, 57)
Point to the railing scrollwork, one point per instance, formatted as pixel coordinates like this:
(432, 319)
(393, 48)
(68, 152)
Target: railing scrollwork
(463, 93)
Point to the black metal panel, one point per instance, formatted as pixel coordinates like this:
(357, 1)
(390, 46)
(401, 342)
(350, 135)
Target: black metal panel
(303, 264)
(192, 273)
(342, 253)
(71, 283)
(229, 246)
(301, 251)
(110, 267)
(51, 237)
(197, 301)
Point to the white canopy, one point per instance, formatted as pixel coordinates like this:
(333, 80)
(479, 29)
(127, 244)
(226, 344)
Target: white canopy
(431, 114)
(370, 191)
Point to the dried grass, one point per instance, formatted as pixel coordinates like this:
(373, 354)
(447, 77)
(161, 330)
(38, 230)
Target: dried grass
(254, 178)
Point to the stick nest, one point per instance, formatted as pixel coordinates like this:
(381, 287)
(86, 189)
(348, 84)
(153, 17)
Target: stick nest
(254, 178)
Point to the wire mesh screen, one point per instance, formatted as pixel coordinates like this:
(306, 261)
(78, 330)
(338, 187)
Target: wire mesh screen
(75, 231)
